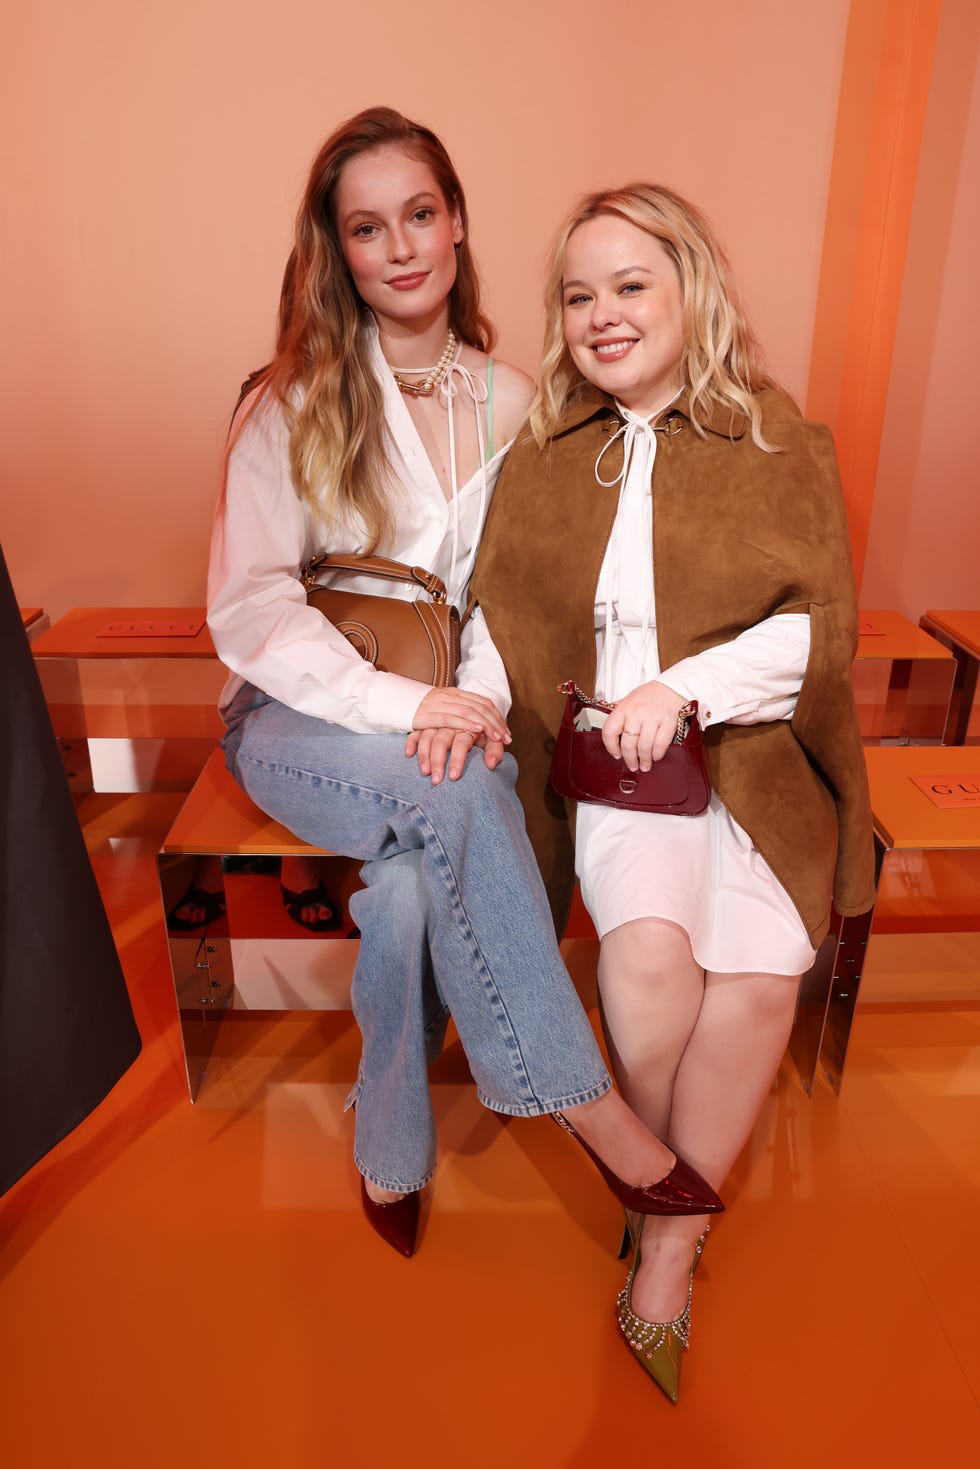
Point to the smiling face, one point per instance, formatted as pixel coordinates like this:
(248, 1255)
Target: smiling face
(623, 314)
(398, 235)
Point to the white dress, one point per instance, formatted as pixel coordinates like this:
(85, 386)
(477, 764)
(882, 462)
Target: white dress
(699, 872)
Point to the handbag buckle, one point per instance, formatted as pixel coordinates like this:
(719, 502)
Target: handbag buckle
(308, 573)
(434, 585)
(627, 784)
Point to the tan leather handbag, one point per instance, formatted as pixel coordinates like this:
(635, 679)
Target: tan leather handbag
(418, 639)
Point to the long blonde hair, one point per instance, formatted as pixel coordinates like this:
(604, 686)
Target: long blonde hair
(721, 362)
(321, 373)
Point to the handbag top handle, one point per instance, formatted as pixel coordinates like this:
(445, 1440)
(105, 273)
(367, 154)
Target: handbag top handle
(374, 566)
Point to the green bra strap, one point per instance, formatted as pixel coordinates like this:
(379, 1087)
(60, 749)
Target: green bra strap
(491, 450)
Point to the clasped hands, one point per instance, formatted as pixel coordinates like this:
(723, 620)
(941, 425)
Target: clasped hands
(448, 724)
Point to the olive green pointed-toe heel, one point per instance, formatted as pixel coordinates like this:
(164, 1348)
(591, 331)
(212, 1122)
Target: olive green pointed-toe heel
(657, 1345)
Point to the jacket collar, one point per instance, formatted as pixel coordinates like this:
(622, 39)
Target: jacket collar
(590, 402)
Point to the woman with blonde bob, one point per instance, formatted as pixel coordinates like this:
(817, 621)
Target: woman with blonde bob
(374, 428)
(676, 532)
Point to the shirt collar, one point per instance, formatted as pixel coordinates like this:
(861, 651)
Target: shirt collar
(590, 402)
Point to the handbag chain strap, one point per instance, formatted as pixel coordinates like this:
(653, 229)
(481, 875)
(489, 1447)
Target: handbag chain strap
(374, 566)
(685, 713)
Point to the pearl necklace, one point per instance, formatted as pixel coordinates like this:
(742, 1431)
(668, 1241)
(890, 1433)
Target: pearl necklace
(433, 375)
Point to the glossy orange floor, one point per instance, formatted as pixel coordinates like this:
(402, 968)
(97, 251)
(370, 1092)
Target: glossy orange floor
(194, 1285)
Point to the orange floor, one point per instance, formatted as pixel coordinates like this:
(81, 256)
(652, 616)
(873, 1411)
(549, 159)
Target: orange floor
(194, 1285)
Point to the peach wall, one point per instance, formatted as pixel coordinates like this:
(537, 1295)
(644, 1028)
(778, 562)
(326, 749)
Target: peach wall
(888, 68)
(924, 544)
(159, 155)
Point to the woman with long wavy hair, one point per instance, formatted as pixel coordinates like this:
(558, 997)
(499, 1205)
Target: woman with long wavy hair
(677, 533)
(377, 427)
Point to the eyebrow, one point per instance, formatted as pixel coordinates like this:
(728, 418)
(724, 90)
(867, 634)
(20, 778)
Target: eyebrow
(408, 204)
(616, 275)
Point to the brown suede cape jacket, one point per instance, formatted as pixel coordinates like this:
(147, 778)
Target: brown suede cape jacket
(739, 534)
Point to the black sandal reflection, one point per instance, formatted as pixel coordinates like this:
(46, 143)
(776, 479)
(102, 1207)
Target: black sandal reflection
(302, 884)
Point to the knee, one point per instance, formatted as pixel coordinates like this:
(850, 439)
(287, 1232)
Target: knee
(638, 982)
(647, 955)
(480, 789)
(769, 997)
(395, 885)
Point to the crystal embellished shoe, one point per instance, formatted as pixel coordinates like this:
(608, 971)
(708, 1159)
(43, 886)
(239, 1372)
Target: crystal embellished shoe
(397, 1222)
(683, 1191)
(658, 1345)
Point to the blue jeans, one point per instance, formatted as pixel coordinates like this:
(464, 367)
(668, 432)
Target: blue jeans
(453, 916)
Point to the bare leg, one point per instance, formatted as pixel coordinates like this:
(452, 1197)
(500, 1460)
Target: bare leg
(650, 1007)
(729, 1066)
(649, 1010)
(651, 990)
(701, 1091)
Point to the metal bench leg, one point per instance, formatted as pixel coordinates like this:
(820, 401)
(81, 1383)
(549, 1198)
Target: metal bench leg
(845, 984)
(806, 1036)
(203, 974)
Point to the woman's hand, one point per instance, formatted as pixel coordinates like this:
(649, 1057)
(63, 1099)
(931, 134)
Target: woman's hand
(642, 725)
(435, 746)
(460, 710)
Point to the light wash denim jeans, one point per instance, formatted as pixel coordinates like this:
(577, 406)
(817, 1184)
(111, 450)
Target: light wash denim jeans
(453, 915)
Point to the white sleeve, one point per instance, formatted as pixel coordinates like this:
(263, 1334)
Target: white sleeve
(262, 628)
(481, 668)
(751, 680)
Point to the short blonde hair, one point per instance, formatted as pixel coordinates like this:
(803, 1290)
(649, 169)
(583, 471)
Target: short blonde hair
(721, 364)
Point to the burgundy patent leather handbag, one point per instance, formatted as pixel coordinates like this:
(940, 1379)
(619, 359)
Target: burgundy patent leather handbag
(583, 770)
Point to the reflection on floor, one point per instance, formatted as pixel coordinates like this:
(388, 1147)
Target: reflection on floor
(195, 1286)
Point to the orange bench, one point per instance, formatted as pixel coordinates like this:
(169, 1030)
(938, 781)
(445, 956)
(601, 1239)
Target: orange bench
(240, 962)
(929, 883)
(34, 621)
(159, 688)
(960, 632)
(119, 687)
(902, 680)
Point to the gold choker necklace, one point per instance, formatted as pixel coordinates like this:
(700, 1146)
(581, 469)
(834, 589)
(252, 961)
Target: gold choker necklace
(433, 375)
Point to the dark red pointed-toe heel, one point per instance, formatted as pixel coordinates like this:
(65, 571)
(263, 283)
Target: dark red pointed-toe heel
(397, 1222)
(683, 1191)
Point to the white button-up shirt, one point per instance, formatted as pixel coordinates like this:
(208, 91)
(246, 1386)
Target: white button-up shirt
(262, 627)
(754, 678)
